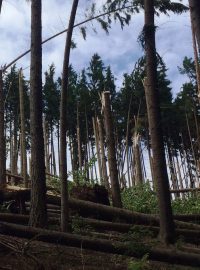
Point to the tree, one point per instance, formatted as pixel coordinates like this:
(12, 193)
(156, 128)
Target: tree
(96, 81)
(51, 94)
(109, 83)
(115, 188)
(2, 136)
(0, 5)
(195, 16)
(63, 127)
(22, 129)
(155, 128)
(38, 212)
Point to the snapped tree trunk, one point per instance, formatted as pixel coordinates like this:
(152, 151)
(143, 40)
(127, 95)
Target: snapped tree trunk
(112, 162)
(155, 128)
(63, 119)
(23, 138)
(2, 137)
(96, 136)
(38, 213)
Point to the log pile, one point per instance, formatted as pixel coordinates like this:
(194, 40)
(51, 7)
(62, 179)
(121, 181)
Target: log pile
(114, 219)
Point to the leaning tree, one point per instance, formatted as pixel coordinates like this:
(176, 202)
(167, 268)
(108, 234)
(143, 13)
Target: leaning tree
(63, 126)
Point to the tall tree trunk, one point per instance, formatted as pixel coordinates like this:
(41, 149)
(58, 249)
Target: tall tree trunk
(103, 156)
(112, 162)
(45, 129)
(63, 119)
(192, 148)
(53, 152)
(58, 139)
(2, 137)
(196, 58)
(88, 157)
(0, 5)
(23, 138)
(195, 16)
(38, 212)
(14, 149)
(127, 140)
(79, 140)
(154, 118)
(96, 136)
(137, 157)
(171, 167)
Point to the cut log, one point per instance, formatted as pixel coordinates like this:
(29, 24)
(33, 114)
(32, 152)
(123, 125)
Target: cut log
(128, 248)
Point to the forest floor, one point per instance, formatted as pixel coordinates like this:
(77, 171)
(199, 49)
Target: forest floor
(20, 254)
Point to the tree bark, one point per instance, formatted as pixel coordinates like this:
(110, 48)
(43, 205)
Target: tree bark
(112, 162)
(63, 124)
(23, 138)
(137, 157)
(79, 140)
(195, 16)
(103, 156)
(38, 214)
(196, 58)
(0, 5)
(96, 136)
(154, 118)
(2, 137)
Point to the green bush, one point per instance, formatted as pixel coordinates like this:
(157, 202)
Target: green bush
(140, 198)
(190, 204)
(143, 199)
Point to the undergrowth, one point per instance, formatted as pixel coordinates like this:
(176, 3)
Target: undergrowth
(143, 199)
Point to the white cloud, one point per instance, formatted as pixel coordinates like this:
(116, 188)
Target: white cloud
(120, 49)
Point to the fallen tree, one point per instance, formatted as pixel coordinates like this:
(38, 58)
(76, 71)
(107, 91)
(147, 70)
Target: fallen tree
(102, 211)
(191, 236)
(126, 248)
(22, 219)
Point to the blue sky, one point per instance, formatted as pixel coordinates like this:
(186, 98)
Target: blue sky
(119, 49)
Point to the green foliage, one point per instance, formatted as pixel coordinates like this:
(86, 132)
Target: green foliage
(55, 184)
(188, 205)
(123, 10)
(139, 265)
(79, 226)
(139, 240)
(140, 198)
(4, 207)
(137, 233)
(83, 32)
(80, 176)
